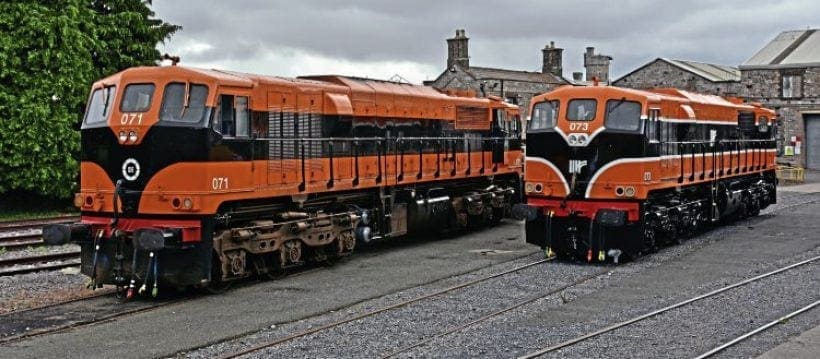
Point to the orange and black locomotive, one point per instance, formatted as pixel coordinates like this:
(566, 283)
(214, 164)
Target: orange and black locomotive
(193, 177)
(612, 171)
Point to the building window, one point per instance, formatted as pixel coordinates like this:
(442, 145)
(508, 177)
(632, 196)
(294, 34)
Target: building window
(792, 86)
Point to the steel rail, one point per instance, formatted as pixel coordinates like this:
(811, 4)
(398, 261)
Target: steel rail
(320, 328)
(21, 241)
(67, 259)
(654, 313)
(35, 223)
(104, 319)
(758, 330)
(38, 268)
(497, 313)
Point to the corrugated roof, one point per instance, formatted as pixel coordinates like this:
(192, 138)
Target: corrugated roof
(788, 49)
(711, 72)
(525, 76)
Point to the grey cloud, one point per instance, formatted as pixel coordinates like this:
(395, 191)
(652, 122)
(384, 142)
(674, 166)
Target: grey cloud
(504, 34)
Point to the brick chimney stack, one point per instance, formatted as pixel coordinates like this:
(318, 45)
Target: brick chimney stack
(457, 50)
(597, 66)
(552, 62)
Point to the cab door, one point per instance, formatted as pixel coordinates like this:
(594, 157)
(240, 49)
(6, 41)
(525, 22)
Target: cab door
(235, 152)
(499, 133)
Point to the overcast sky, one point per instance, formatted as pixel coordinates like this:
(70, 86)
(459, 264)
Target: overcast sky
(380, 38)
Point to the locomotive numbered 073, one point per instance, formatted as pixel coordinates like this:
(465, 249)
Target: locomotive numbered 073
(193, 177)
(613, 171)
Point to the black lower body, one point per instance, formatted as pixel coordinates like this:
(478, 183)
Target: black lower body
(666, 217)
(263, 236)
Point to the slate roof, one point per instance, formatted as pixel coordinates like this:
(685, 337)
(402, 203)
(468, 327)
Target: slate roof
(796, 48)
(480, 73)
(710, 72)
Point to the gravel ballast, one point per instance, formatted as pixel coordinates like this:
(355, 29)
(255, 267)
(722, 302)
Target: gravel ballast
(675, 273)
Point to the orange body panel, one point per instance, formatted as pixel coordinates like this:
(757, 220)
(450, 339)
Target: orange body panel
(646, 174)
(318, 95)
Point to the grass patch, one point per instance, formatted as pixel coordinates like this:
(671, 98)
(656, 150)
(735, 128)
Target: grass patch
(26, 205)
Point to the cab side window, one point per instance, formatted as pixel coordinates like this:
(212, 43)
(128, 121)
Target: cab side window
(232, 116)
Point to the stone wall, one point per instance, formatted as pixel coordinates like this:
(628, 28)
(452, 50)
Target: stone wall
(663, 74)
(764, 86)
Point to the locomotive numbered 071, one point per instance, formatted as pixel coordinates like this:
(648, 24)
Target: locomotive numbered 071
(613, 171)
(193, 177)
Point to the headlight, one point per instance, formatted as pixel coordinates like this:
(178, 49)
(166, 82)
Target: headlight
(187, 203)
(123, 136)
(582, 139)
(629, 191)
(573, 139)
(132, 136)
(529, 187)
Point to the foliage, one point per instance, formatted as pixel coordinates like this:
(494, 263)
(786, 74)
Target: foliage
(50, 53)
(19, 205)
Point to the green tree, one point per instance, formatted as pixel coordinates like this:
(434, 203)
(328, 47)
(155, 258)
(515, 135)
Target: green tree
(50, 53)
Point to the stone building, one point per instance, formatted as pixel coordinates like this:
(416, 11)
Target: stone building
(785, 75)
(687, 75)
(515, 86)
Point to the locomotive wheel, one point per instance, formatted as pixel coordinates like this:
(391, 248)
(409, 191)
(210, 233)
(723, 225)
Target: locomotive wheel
(497, 216)
(649, 243)
(275, 268)
(217, 285)
(755, 208)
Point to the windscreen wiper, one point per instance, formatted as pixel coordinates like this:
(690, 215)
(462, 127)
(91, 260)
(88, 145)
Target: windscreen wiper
(620, 102)
(187, 101)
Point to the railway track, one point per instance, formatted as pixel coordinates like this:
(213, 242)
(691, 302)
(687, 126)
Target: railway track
(456, 328)
(758, 330)
(40, 262)
(83, 312)
(16, 235)
(23, 234)
(21, 241)
(6, 226)
(640, 318)
(371, 313)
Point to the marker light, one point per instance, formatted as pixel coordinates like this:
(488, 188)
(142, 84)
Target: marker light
(123, 136)
(132, 136)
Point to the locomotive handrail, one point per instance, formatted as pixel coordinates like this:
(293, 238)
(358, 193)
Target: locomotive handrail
(720, 140)
(350, 139)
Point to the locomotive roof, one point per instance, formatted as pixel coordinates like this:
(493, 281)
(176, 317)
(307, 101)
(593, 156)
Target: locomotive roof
(241, 79)
(687, 104)
(359, 95)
